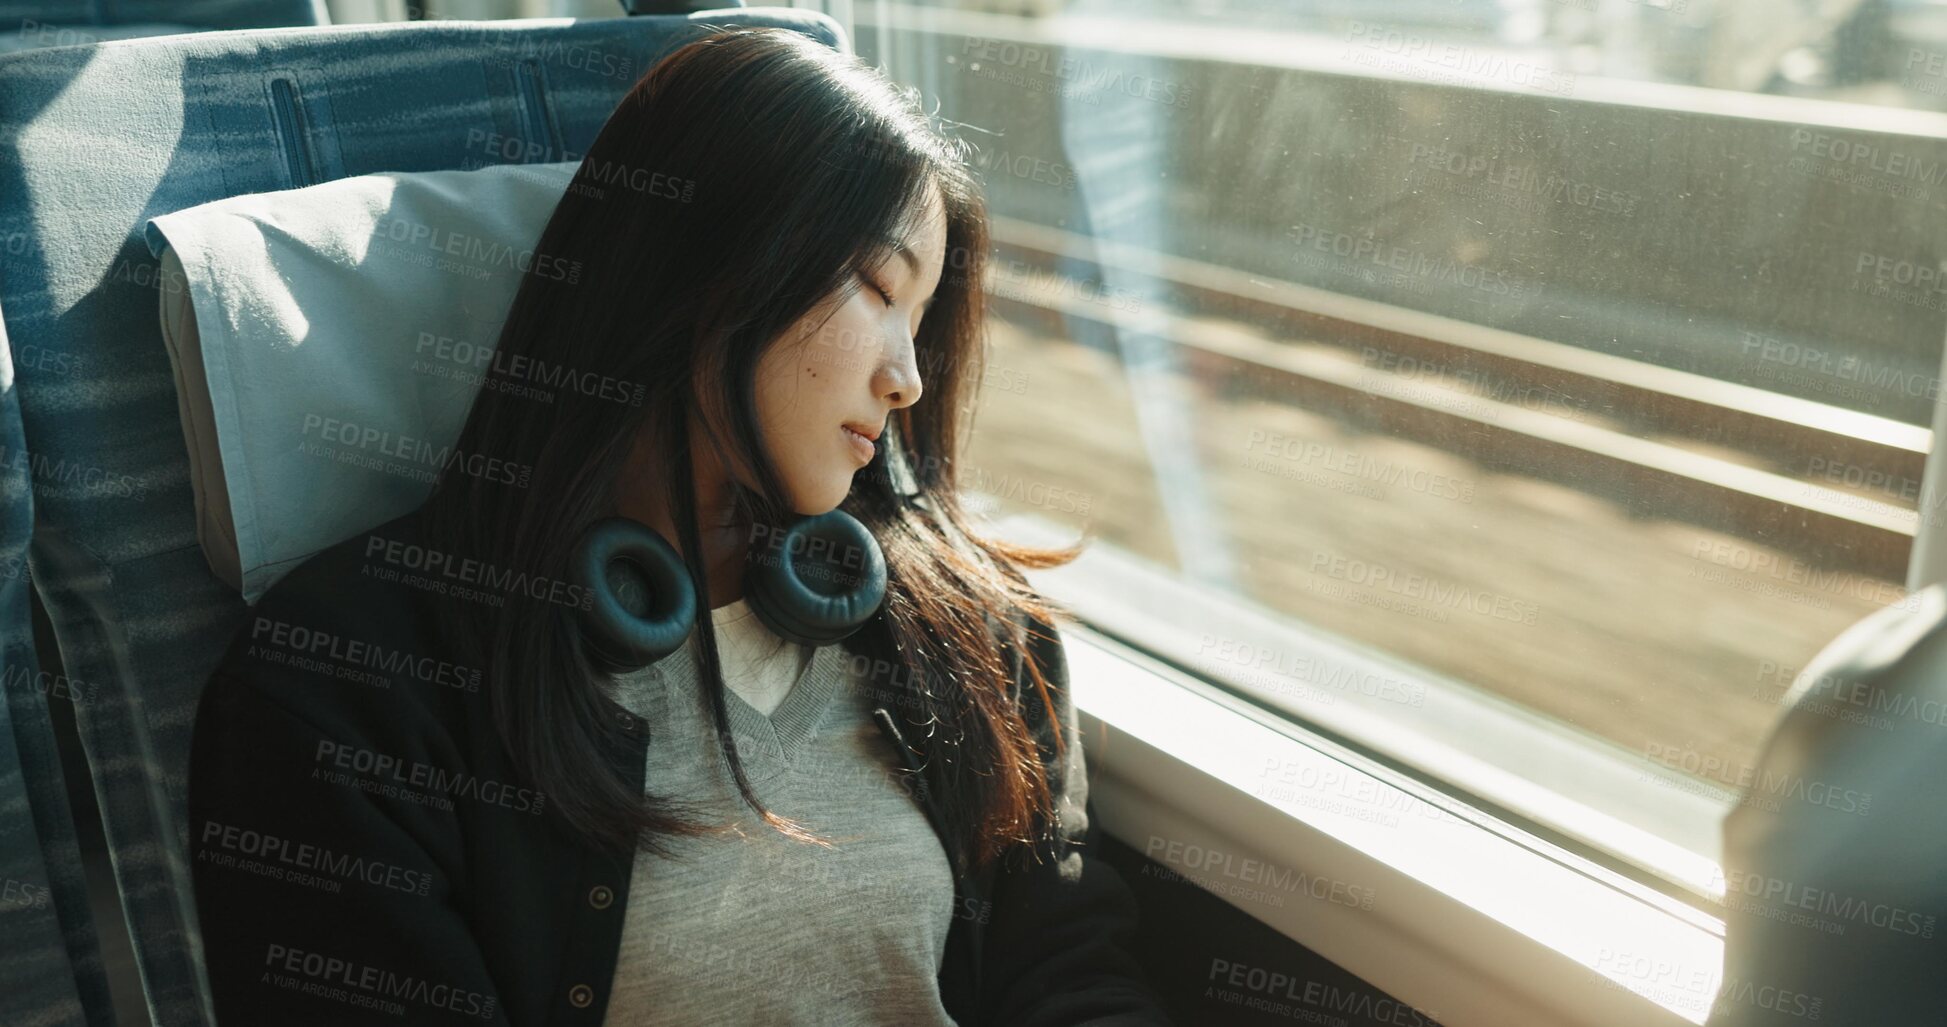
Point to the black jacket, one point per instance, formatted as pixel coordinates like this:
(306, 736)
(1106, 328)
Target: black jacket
(364, 853)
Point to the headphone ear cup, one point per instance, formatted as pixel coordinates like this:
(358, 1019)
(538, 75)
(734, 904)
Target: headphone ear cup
(642, 601)
(821, 583)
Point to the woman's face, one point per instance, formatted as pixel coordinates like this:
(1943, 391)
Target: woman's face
(852, 370)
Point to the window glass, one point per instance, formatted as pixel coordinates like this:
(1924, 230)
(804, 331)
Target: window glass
(1572, 359)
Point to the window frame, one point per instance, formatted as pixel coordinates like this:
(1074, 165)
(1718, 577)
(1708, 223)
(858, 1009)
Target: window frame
(1928, 562)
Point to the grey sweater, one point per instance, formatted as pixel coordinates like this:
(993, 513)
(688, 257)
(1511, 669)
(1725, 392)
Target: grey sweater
(746, 926)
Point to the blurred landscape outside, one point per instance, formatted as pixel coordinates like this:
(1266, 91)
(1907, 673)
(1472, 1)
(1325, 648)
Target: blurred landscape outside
(1617, 395)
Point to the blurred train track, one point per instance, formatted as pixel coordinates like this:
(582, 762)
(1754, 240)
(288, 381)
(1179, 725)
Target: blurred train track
(1833, 488)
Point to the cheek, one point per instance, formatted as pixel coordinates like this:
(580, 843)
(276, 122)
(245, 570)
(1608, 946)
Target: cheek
(813, 386)
(846, 348)
(799, 391)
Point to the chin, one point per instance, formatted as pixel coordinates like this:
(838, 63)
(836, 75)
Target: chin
(824, 497)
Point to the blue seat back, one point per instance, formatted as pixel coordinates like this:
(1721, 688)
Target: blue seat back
(29, 24)
(51, 970)
(94, 140)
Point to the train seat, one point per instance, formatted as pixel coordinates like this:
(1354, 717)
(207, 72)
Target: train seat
(96, 140)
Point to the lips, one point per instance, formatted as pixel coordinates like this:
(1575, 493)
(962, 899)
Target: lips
(860, 443)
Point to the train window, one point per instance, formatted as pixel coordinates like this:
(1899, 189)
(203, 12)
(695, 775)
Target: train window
(1522, 391)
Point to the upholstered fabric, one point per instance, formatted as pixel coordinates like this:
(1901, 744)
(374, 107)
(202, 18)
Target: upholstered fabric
(33, 24)
(302, 426)
(96, 140)
(103, 16)
(32, 35)
(51, 971)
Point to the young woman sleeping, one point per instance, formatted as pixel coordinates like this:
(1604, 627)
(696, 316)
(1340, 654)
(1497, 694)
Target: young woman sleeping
(731, 715)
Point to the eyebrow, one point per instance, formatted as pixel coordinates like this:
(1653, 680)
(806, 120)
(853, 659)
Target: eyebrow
(912, 260)
(901, 249)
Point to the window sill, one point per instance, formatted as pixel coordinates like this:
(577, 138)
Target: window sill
(1467, 925)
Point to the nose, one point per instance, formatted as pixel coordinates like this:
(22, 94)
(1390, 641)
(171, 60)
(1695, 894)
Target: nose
(898, 378)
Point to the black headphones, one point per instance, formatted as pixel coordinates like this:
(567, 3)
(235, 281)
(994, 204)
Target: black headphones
(813, 583)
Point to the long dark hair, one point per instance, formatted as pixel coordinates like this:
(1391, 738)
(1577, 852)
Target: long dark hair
(745, 180)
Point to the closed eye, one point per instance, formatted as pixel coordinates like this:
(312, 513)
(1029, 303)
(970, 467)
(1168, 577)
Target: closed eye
(876, 287)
